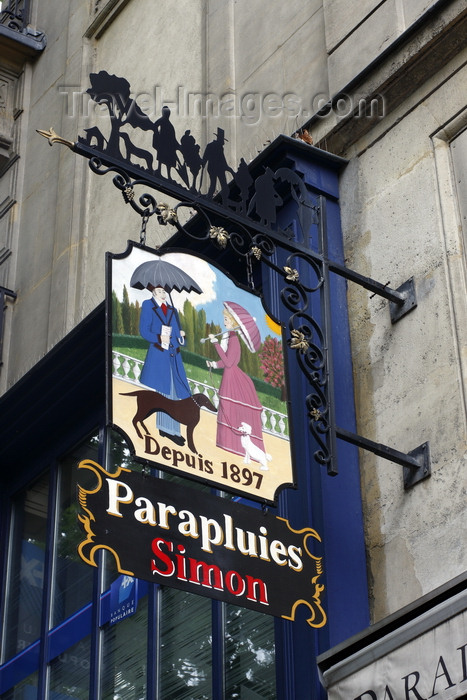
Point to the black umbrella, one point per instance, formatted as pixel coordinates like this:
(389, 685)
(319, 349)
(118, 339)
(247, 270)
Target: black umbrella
(160, 273)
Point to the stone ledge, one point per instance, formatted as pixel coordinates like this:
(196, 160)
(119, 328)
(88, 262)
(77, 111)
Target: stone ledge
(104, 17)
(390, 79)
(16, 48)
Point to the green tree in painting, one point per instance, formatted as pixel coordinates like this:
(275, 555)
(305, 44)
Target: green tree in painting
(117, 320)
(200, 330)
(208, 349)
(250, 363)
(187, 321)
(135, 311)
(126, 312)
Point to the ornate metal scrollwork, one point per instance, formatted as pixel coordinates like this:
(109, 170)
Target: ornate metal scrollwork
(144, 205)
(220, 235)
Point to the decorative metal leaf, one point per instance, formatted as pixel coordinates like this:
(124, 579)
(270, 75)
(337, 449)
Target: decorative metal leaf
(220, 235)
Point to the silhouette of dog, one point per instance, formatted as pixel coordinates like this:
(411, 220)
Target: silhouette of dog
(132, 150)
(185, 411)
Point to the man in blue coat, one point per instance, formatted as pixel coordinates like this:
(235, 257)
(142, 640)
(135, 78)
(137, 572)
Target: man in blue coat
(163, 368)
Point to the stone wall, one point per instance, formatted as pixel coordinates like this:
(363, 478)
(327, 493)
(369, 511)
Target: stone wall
(401, 219)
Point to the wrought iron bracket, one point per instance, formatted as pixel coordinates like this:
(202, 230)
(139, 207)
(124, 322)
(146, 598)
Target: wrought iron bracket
(4, 292)
(416, 463)
(243, 215)
(402, 300)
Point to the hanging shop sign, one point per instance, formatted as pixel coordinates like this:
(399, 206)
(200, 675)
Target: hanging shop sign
(200, 543)
(196, 375)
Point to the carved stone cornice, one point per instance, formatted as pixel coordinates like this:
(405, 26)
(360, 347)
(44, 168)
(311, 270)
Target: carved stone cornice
(420, 52)
(102, 15)
(18, 47)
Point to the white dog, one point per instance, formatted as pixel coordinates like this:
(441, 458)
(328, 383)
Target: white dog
(252, 451)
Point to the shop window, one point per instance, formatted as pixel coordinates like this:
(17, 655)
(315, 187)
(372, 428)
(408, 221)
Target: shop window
(124, 662)
(185, 646)
(69, 673)
(174, 645)
(25, 690)
(26, 565)
(73, 579)
(249, 655)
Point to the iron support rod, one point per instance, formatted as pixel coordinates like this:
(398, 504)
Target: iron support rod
(405, 460)
(368, 283)
(4, 292)
(326, 325)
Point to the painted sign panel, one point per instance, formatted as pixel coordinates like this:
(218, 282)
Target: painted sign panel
(200, 543)
(198, 377)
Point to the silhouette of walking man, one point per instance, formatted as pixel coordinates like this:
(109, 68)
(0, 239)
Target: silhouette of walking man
(216, 165)
(190, 152)
(165, 142)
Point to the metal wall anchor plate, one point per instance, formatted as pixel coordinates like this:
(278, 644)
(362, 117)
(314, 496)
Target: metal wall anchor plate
(397, 311)
(412, 475)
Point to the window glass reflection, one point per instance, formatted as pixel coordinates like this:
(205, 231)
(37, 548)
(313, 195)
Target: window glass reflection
(73, 578)
(249, 654)
(69, 673)
(125, 656)
(25, 690)
(26, 567)
(119, 454)
(185, 647)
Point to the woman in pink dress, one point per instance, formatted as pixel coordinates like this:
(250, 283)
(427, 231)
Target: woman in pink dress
(238, 400)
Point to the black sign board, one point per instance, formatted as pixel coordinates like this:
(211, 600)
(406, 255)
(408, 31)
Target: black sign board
(166, 533)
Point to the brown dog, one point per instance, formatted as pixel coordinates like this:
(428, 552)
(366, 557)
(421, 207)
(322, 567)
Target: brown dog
(185, 411)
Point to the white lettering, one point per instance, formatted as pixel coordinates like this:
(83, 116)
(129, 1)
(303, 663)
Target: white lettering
(278, 552)
(146, 515)
(115, 498)
(211, 533)
(189, 528)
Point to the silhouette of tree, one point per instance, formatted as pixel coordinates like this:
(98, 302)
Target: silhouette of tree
(114, 93)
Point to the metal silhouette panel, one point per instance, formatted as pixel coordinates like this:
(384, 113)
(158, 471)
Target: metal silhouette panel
(130, 139)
